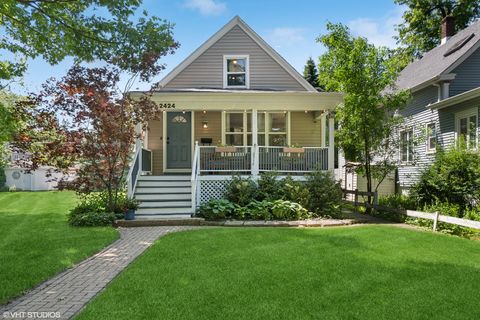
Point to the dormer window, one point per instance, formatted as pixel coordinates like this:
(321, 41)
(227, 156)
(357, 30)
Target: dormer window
(236, 72)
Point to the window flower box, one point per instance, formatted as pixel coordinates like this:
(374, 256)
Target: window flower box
(293, 150)
(225, 149)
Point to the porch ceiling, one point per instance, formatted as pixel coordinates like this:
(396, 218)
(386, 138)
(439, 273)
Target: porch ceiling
(245, 100)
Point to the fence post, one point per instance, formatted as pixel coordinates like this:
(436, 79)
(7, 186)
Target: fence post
(356, 199)
(435, 221)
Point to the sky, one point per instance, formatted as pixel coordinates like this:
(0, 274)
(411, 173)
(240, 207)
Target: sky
(290, 27)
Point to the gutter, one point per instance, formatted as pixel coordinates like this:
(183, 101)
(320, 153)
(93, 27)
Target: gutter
(468, 95)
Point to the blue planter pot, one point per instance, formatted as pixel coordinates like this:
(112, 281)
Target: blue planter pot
(130, 215)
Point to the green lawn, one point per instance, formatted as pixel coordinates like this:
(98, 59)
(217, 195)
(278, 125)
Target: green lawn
(365, 272)
(36, 242)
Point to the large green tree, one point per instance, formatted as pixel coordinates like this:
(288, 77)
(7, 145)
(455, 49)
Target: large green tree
(310, 72)
(9, 122)
(420, 30)
(88, 30)
(366, 75)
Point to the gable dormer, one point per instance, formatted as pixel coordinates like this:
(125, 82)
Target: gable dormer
(235, 58)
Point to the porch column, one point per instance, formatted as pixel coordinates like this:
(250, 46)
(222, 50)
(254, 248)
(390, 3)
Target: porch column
(331, 142)
(139, 145)
(323, 127)
(255, 155)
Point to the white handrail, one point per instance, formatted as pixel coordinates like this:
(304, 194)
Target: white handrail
(130, 187)
(193, 181)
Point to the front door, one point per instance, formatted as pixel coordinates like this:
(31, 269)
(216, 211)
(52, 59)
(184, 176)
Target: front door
(179, 140)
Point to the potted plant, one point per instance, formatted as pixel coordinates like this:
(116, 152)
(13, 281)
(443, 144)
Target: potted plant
(130, 206)
(293, 149)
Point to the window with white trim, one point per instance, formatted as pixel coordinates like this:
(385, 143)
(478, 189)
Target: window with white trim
(236, 72)
(272, 128)
(406, 146)
(431, 137)
(467, 124)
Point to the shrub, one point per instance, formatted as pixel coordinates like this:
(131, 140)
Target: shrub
(260, 210)
(270, 187)
(453, 178)
(241, 191)
(325, 194)
(295, 191)
(398, 201)
(86, 215)
(3, 178)
(287, 210)
(217, 209)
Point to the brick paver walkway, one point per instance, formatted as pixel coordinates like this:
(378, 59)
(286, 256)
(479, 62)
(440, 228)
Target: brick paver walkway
(67, 293)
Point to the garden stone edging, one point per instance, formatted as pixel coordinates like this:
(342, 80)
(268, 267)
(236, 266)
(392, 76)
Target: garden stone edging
(240, 223)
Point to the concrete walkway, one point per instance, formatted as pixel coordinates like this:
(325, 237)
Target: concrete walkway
(67, 293)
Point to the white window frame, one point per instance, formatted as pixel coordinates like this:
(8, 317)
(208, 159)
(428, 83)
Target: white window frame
(462, 115)
(428, 150)
(247, 70)
(245, 133)
(409, 156)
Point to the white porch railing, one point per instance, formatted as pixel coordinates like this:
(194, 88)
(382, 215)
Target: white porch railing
(141, 162)
(254, 159)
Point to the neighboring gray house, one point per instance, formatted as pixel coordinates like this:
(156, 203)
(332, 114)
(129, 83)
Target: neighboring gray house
(445, 88)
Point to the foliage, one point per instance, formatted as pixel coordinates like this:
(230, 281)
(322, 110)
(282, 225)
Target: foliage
(260, 210)
(287, 210)
(310, 72)
(270, 187)
(326, 193)
(366, 75)
(217, 209)
(82, 217)
(82, 121)
(398, 201)
(453, 178)
(3, 178)
(240, 190)
(9, 120)
(54, 30)
(420, 30)
(295, 191)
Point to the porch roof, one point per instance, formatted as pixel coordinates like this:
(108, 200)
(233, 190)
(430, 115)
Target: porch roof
(220, 99)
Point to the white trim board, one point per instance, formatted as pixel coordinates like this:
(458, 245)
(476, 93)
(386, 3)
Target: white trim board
(236, 21)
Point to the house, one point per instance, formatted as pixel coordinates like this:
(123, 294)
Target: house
(234, 106)
(445, 88)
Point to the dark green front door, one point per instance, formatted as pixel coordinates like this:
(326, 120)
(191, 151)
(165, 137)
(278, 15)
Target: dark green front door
(179, 140)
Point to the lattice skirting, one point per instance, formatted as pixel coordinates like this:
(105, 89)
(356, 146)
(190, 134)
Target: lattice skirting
(211, 189)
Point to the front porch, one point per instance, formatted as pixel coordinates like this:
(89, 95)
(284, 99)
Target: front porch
(291, 133)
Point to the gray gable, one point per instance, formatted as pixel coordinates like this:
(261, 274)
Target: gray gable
(438, 60)
(206, 71)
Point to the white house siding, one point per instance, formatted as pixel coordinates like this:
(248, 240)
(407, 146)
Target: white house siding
(207, 70)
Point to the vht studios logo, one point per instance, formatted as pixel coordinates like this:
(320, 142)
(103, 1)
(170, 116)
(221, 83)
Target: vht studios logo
(31, 315)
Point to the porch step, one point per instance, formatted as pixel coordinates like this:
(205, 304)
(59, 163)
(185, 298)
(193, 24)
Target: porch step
(163, 190)
(165, 178)
(163, 184)
(164, 197)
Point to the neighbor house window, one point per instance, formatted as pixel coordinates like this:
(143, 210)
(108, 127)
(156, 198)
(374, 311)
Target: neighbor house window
(272, 128)
(467, 129)
(431, 137)
(406, 145)
(236, 69)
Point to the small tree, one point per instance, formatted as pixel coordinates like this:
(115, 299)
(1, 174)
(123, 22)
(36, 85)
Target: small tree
(84, 121)
(310, 72)
(363, 72)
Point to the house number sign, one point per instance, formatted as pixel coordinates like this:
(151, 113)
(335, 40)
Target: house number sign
(166, 105)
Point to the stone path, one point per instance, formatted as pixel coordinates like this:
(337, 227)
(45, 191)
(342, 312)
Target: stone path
(67, 293)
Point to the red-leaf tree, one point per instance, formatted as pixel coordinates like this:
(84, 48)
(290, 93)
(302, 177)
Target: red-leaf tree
(84, 121)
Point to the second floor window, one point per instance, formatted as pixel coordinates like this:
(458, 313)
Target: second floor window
(431, 137)
(236, 72)
(406, 146)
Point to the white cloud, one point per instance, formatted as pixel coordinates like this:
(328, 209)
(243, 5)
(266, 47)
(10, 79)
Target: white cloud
(284, 36)
(380, 31)
(206, 7)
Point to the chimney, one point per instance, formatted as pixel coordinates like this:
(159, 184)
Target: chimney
(448, 28)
